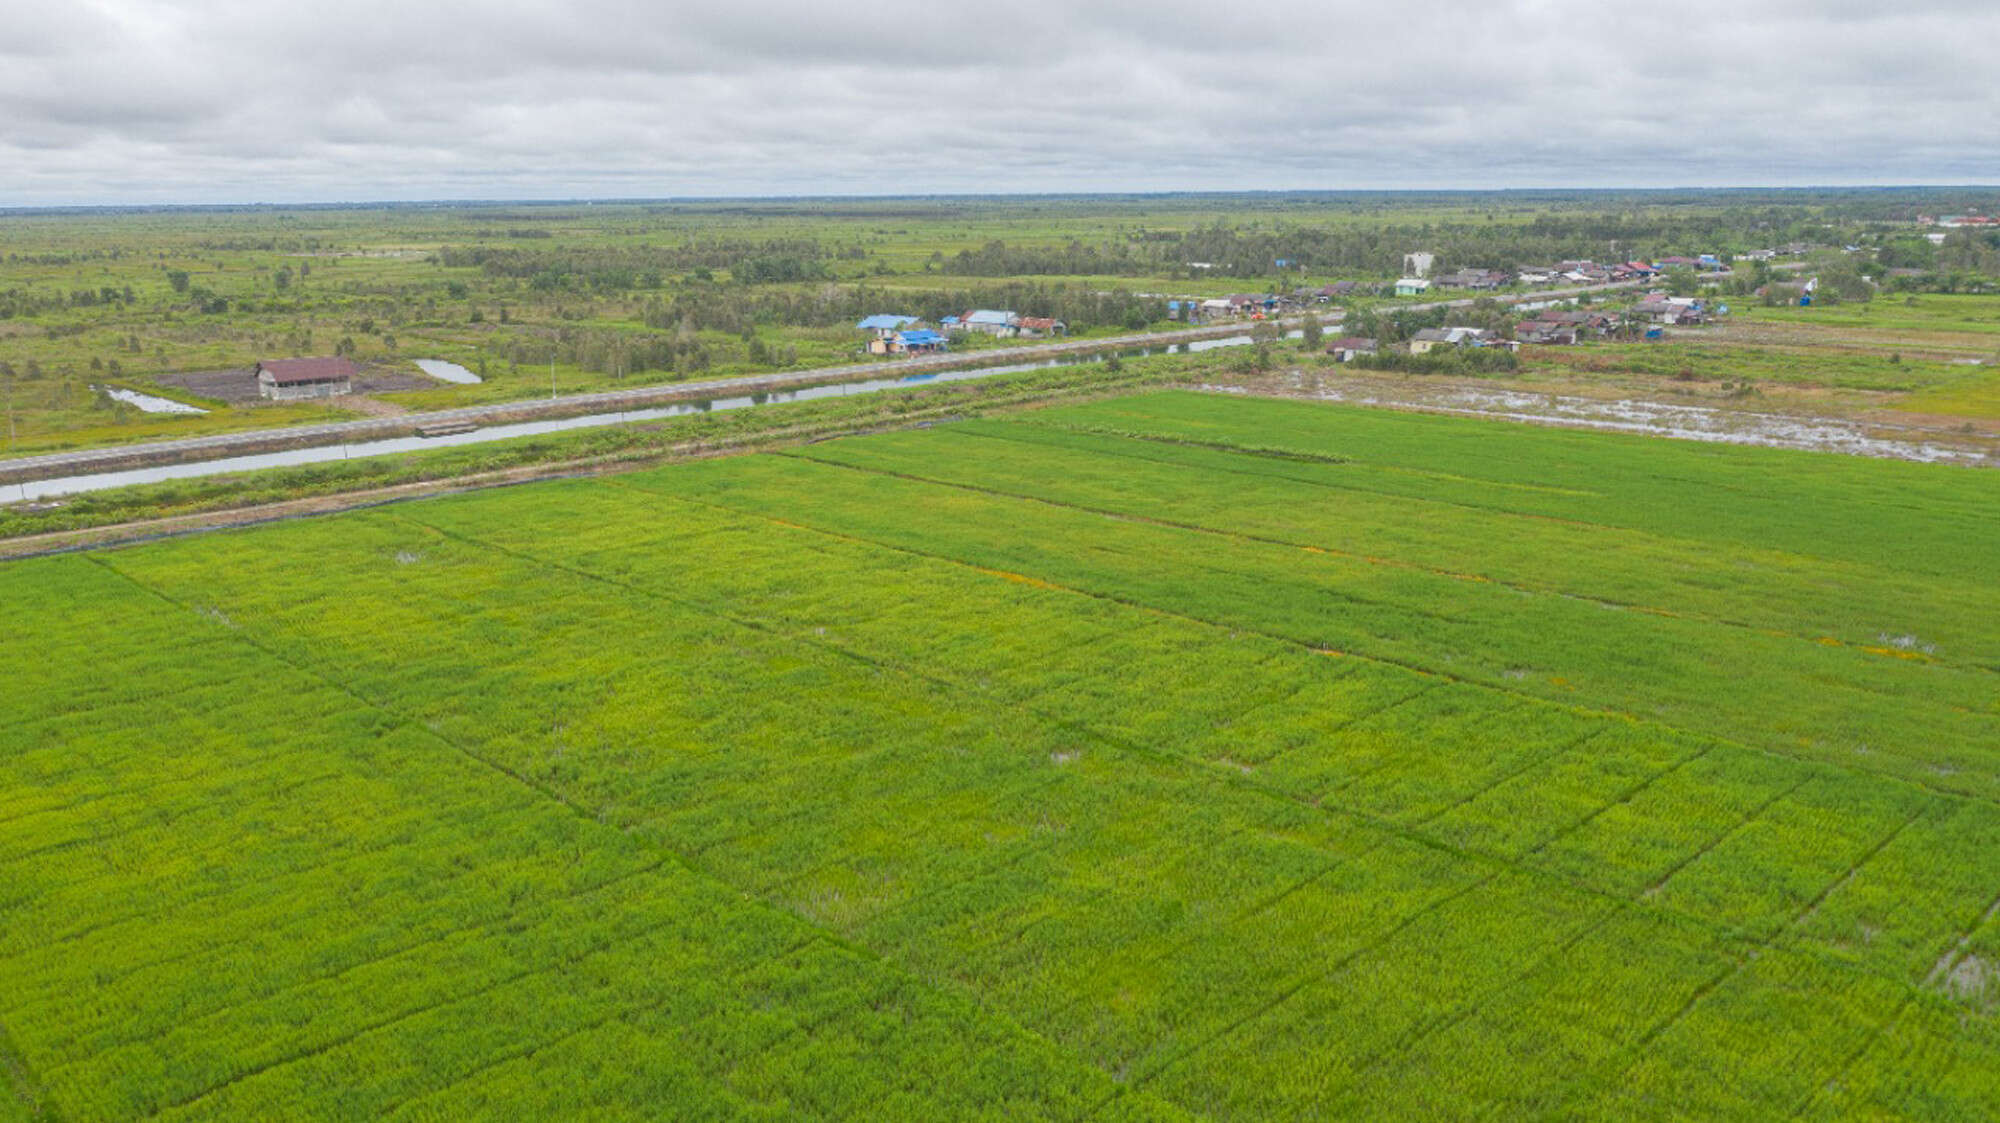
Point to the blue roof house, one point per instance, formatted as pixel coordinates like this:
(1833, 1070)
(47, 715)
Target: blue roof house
(916, 342)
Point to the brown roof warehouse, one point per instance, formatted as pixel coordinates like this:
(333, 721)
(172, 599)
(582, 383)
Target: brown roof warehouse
(289, 380)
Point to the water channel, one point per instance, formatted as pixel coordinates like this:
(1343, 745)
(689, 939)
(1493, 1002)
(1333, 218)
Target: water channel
(100, 481)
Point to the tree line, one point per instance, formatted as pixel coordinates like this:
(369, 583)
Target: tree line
(713, 307)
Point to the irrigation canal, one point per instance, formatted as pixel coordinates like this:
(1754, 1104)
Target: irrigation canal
(208, 456)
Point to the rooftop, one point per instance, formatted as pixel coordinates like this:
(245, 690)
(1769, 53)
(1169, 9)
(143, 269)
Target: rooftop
(290, 371)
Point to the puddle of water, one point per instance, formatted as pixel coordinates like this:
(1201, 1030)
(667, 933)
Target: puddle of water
(448, 372)
(148, 402)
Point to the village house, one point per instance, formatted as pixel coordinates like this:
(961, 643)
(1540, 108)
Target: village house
(292, 380)
(992, 322)
(1564, 326)
(1348, 347)
(1036, 327)
(1412, 286)
(1585, 321)
(1430, 339)
(1476, 280)
(1668, 310)
(919, 342)
(888, 331)
(1546, 333)
(1325, 294)
(1424, 341)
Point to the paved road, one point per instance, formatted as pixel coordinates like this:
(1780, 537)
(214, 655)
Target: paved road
(84, 461)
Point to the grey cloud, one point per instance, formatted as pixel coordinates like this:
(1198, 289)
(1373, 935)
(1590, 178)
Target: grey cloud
(221, 100)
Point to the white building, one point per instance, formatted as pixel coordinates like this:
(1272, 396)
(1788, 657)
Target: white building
(291, 380)
(992, 322)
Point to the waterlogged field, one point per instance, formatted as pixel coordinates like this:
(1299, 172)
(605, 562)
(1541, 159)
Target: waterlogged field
(1169, 757)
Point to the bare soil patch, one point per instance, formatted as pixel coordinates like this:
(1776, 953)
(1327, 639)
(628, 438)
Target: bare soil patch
(1943, 346)
(371, 407)
(238, 386)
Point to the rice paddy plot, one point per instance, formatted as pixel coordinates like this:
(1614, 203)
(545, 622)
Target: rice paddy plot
(1170, 757)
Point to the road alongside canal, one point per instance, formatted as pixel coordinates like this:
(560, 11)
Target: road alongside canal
(229, 445)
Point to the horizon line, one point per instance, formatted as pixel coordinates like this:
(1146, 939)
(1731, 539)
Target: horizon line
(969, 196)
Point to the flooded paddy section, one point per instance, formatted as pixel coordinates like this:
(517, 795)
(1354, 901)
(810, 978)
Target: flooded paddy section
(148, 403)
(451, 372)
(1648, 417)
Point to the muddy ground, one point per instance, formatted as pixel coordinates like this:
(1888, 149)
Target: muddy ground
(238, 387)
(1798, 421)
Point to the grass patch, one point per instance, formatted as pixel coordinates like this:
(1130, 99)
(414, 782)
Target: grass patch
(1159, 757)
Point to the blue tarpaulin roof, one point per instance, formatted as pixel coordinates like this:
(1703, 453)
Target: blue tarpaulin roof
(885, 323)
(925, 338)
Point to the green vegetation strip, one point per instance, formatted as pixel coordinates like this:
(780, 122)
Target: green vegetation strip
(586, 449)
(1076, 765)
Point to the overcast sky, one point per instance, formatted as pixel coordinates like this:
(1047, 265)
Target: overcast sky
(121, 101)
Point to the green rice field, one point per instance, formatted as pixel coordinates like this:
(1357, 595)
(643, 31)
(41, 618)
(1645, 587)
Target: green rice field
(1175, 756)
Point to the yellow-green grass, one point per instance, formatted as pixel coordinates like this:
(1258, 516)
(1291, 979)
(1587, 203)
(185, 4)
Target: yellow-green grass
(1174, 756)
(1892, 312)
(1973, 395)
